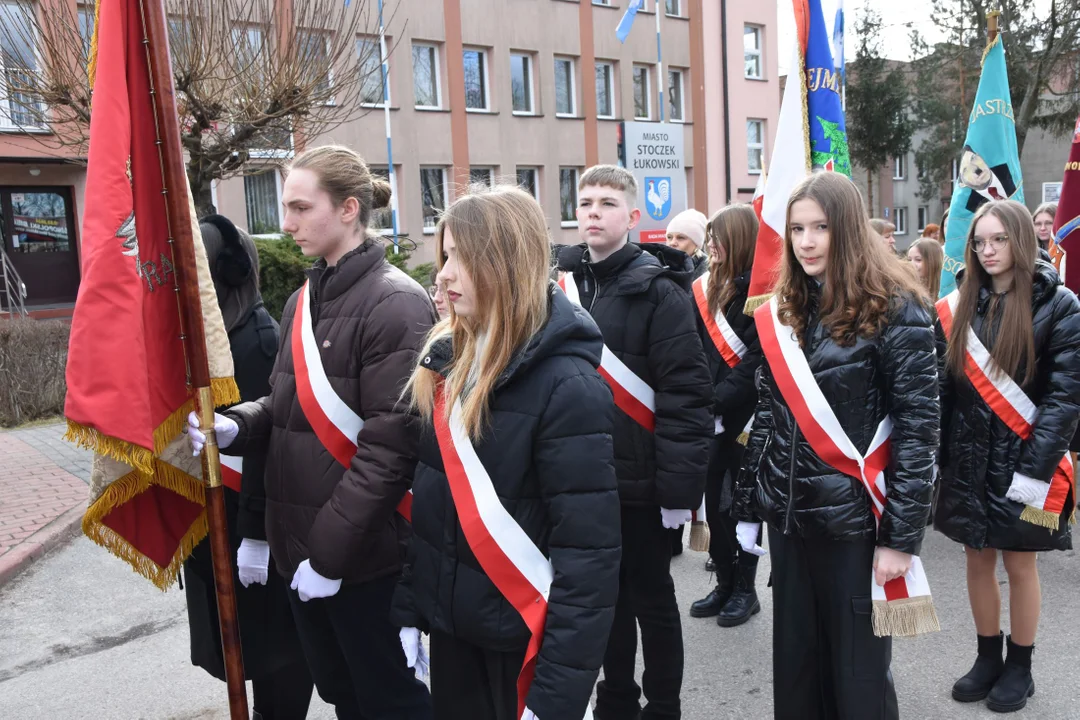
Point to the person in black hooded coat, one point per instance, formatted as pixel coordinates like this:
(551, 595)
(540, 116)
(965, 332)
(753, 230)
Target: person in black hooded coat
(1015, 303)
(273, 659)
(539, 417)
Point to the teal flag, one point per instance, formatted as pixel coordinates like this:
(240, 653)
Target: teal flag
(989, 166)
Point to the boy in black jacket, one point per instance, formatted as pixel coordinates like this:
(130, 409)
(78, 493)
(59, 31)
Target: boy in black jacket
(643, 309)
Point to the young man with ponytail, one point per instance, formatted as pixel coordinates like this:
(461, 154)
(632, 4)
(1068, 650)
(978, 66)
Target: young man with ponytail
(656, 368)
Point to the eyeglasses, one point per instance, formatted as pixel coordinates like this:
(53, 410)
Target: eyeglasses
(995, 241)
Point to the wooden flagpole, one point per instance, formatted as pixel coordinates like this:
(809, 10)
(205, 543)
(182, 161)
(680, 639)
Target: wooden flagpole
(177, 205)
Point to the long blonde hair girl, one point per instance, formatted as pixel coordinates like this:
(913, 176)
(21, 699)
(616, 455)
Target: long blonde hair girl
(933, 258)
(733, 228)
(501, 241)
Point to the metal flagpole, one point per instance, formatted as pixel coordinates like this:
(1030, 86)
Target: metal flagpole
(385, 69)
(659, 61)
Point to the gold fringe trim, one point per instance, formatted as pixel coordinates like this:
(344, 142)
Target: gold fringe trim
(989, 46)
(755, 302)
(905, 618)
(124, 490)
(805, 112)
(123, 451)
(699, 536)
(224, 391)
(1043, 518)
(91, 65)
(743, 439)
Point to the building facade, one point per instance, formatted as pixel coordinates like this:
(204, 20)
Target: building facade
(525, 91)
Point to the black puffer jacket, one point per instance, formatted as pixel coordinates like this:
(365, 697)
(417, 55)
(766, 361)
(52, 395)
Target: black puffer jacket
(548, 451)
(643, 307)
(734, 393)
(785, 482)
(980, 453)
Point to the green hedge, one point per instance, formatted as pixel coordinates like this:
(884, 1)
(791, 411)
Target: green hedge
(282, 266)
(33, 355)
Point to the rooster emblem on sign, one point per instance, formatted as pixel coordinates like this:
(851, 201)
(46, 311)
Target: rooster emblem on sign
(130, 242)
(658, 197)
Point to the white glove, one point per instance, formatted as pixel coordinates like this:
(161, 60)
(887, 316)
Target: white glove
(225, 428)
(310, 584)
(253, 561)
(674, 518)
(1027, 490)
(415, 655)
(718, 425)
(746, 533)
(529, 715)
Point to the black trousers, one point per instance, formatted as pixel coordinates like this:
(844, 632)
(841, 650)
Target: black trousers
(725, 458)
(355, 656)
(646, 598)
(285, 695)
(471, 683)
(827, 662)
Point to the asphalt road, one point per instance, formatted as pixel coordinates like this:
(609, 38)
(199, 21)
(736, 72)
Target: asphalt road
(81, 636)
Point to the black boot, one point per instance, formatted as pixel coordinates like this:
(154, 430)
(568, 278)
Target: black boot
(711, 604)
(744, 601)
(984, 673)
(1015, 686)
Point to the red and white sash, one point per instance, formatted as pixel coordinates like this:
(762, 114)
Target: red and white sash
(232, 469)
(896, 605)
(1014, 408)
(508, 556)
(632, 394)
(334, 422)
(727, 343)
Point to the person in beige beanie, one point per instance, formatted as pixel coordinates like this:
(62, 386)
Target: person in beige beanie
(686, 232)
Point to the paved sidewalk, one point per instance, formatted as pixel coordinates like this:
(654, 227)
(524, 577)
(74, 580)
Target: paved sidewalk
(43, 492)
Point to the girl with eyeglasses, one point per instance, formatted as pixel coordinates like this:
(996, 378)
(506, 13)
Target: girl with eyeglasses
(1010, 402)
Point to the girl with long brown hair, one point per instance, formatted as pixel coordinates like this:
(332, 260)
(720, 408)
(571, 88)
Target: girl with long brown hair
(927, 257)
(848, 343)
(731, 347)
(516, 452)
(1010, 402)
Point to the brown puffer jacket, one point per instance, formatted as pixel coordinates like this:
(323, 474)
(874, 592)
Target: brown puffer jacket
(370, 320)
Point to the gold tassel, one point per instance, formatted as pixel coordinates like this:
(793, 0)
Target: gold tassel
(908, 617)
(224, 391)
(121, 450)
(91, 64)
(754, 303)
(1043, 518)
(699, 536)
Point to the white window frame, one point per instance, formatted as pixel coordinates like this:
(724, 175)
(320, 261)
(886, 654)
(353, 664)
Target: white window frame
(388, 210)
(374, 41)
(536, 178)
(436, 72)
(325, 35)
(482, 168)
(900, 220)
(759, 33)
(446, 200)
(648, 91)
(485, 71)
(678, 8)
(573, 86)
(899, 167)
(922, 217)
(755, 146)
(6, 122)
(530, 72)
(610, 88)
(681, 73)
(277, 204)
(575, 178)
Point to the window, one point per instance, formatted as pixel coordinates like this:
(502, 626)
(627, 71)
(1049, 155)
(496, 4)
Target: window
(565, 99)
(675, 95)
(521, 83)
(18, 108)
(261, 194)
(432, 195)
(568, 178)
(180, 42)
(900, 167)
(315, 59)
(40, 222)
(673, 8)
(369, 57)
(480, 176)
(642, 96)
(425, 62)
(924, 216)
(527, 180)
(752, 51)
(901, 221)
(601, 2)
(476, 80)
(605, 90)
(382, 219)
(755, 146)
(86, 27)
(248, 58)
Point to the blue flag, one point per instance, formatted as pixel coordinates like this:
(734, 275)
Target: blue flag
(989, 166)
(828, 134)
(623, 30)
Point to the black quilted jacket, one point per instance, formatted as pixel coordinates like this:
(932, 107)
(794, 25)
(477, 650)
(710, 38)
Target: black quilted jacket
(784, 482)
(979, 453)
